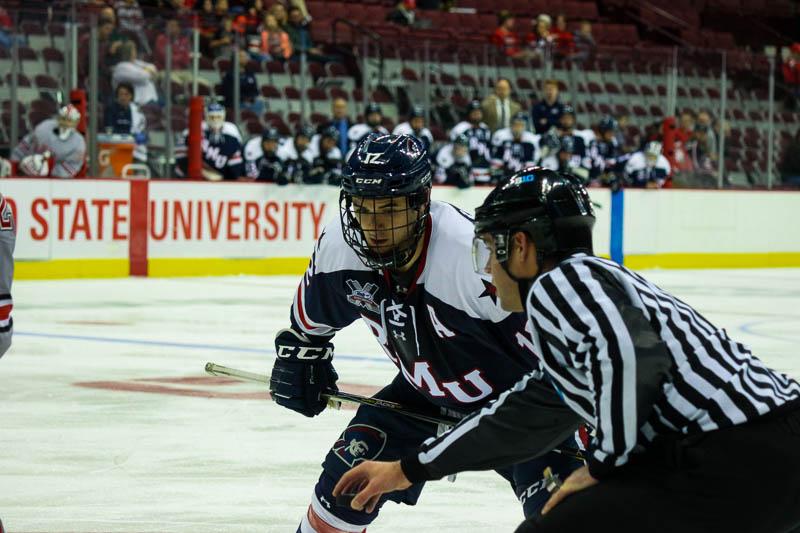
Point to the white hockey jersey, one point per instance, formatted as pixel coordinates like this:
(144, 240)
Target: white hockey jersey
(68, 155)
(7, 239)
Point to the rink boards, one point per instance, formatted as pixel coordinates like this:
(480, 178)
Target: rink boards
(113, 228)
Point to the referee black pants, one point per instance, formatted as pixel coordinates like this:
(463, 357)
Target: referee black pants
(744, 479)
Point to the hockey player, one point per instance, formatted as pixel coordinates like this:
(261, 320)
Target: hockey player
(221, 147)
(296, 156)
(401, 263)
(647, 168)
(514, 148)
(326, 158)
(55, 148)
(373, 116)
(480, 141)
(7, 240)
(415, 126)
(261, 158)
(566, 160)
(453, 164)
(684, 417)
(609, 161)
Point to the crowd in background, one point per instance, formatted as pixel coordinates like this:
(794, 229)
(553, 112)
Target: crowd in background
(497, 134)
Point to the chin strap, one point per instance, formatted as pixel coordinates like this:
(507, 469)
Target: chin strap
(524, 284)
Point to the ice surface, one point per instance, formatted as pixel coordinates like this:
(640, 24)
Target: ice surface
(199, 455)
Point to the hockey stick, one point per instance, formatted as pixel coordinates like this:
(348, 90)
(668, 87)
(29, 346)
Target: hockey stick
(338, 397)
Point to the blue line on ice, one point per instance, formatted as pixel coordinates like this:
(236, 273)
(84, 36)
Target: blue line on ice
(184, 345)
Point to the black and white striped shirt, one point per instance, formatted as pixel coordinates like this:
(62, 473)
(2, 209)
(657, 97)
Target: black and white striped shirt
(628, 358)
(583, 320)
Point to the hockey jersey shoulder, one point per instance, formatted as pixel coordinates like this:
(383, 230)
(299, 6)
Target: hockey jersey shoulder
(448, 274)
(331, 252)
(253, 150)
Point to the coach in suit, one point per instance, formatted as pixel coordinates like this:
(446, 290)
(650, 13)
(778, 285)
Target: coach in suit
(498, 108)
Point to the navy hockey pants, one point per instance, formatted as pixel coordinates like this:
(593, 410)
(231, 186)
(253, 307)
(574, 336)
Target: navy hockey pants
(378, 434)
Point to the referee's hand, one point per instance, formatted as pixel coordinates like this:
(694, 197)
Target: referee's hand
(369, 481)
(577, 481)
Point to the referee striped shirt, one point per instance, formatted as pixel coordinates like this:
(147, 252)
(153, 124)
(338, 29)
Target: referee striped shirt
(589, 319)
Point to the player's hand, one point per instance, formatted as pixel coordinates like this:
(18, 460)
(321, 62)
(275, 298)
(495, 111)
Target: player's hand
(371, 479)
(302, 373)
(577, 481)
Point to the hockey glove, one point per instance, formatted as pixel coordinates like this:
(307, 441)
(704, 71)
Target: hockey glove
(303, 371)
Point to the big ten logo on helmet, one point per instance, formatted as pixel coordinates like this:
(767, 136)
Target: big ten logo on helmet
(359, 442)
(363, 295)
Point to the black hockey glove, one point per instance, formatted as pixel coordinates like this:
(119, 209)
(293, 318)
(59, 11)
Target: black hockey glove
(303, 371)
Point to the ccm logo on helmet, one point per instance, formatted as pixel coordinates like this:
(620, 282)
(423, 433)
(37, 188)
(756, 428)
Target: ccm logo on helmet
(368, 181)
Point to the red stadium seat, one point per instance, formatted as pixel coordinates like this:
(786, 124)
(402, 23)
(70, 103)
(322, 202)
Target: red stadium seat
(43, 81)
(270, 91)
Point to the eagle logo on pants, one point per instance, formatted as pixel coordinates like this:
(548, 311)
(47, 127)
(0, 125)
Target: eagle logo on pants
(359, 442)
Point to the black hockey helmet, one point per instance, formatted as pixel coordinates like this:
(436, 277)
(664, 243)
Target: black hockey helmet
(380, 167)
(304, 131)
(567, 110)
(520, 116)
(461, 140)
(372, 107)
(417, 111)
(552, 208)
(330, 132)
(473, 105)
(567, 144)
(270, 134)
(607, 123)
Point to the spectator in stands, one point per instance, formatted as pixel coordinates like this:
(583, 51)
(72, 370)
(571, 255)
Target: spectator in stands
(341, 122)
(7, 34)
(221, 8)
(585, 45)
(403, 13)
(542, 39)
(790, 164)
(130, 21)
(278, 10)
(181, 52)
(705, 119)
(504, 37)
(222, 42)
(547, 113)
(122, 117)
(275, 43)
(109, 42)
(686, 129)
(300, 36)
(140, 74)
(563, 38)
(249, 94)
(249, 20)
(703, 160)
(791, 71)
(498, 108)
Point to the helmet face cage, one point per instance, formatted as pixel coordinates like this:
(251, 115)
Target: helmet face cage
(384, 238)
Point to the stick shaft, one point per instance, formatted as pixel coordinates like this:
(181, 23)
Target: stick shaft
(346, 397)
(338, 396)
